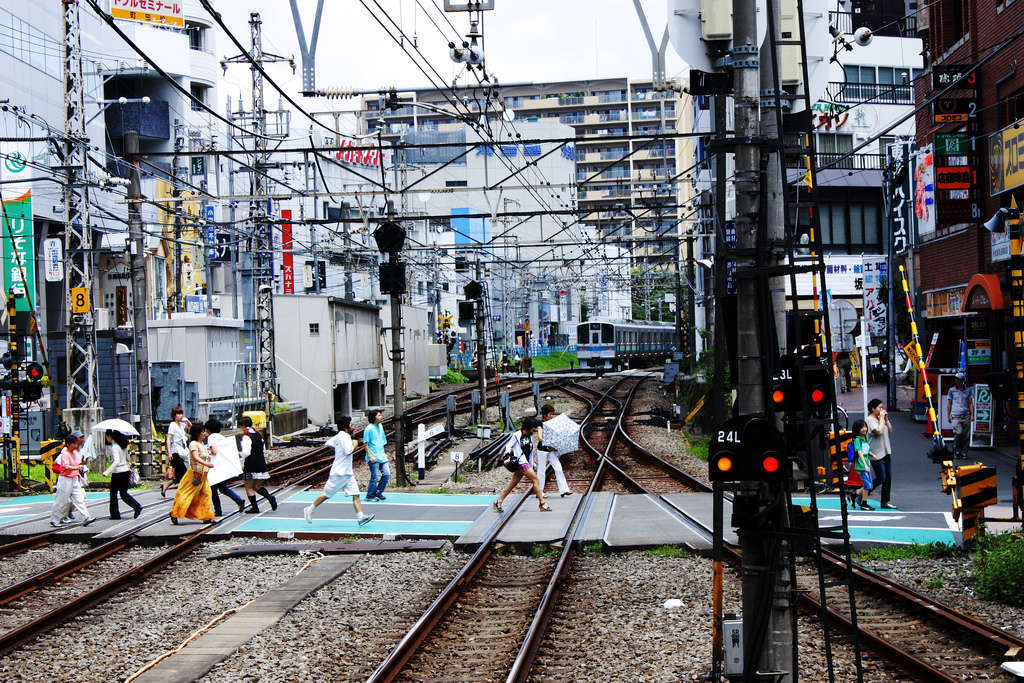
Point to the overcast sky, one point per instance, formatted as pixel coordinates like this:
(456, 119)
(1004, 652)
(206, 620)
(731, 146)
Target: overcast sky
(525, 40)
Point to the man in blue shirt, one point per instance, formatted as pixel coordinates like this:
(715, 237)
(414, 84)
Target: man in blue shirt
(376, 458)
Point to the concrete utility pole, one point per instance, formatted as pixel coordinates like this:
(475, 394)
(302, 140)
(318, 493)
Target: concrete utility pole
(481, 345)
(79, 327)
(137, 258)
(397, 380)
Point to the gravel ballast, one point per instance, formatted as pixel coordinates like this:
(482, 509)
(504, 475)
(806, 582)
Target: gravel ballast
(114, 639)
(347, 628)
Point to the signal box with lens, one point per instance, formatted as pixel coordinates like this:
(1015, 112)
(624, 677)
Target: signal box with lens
(747, 448)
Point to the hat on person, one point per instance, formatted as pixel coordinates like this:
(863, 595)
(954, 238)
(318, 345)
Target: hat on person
(960, 375)
(77, 434)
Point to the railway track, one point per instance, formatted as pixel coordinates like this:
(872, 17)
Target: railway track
(493, 605)
(62, 613)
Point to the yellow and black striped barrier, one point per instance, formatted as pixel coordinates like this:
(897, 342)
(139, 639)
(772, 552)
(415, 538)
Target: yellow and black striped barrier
(973, 488)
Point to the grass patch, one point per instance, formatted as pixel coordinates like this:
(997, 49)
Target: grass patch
(937, 583)
(37, 472)
(558, 361)
(350, 539)
(437, 490)
(597, 547)
(541, 550)
(699, 447)
(906, 552)
(667, 551)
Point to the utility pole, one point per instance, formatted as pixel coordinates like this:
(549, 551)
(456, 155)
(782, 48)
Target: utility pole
(178, 304)
(691, 300)
(80, 330)
(481, 346)
(397, 379)
(262, 239)
(137, 258)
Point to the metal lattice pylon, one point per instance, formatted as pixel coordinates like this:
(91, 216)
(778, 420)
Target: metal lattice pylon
(80, 332)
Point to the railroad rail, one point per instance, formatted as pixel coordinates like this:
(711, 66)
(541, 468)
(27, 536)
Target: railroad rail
(487, 584)
(72, 608)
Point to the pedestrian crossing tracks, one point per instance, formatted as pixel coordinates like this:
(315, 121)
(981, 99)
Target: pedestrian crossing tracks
(619, 521)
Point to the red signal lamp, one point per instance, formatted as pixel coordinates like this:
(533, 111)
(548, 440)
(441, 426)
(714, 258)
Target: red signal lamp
(34, 371)
(817, 395)
(770, 464)
(724, 464)
(778, 397)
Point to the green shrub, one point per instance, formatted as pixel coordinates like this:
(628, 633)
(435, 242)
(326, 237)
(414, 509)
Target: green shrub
(999, 569)
(936, 583)
(699, 448)
(454, 377)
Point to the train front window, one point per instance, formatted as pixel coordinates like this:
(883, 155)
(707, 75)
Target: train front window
(608, 332)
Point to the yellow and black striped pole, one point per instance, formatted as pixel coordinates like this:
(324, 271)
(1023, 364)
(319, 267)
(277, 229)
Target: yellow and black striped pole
(920, 360)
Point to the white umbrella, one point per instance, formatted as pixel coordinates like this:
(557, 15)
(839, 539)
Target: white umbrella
(115, 425)
(562, 434)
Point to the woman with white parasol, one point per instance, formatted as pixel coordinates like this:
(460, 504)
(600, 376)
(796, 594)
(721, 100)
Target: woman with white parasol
(120, 469)
(556, 436)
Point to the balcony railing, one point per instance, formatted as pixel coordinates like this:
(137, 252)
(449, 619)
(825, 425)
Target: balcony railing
(879, 93)
(854, 162)
(892, 24)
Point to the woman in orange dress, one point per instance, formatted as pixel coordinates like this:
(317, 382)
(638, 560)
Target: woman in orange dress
(194, 499)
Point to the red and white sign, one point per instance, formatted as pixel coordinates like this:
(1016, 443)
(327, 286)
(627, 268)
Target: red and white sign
(287, 266)
(363, 157)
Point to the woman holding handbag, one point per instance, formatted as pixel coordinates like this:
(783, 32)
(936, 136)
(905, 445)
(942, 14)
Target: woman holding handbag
(120, 473)
(194, 499)
(177, 449)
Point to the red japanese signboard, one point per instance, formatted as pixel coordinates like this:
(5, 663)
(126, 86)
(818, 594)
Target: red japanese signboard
(953, 177)
(287, 266)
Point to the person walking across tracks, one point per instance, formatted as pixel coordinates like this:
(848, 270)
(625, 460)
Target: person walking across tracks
(69, 489)
(177, 449)
(376, 458)
(193, 499)
(214, 440)
(959, 409)
(517, 461)
(547, 455)
(120, 472)
(879, 429)
(341, 477)
(254, 465)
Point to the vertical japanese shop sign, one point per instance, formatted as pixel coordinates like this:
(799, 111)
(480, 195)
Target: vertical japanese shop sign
(19, 250)
(287, 265)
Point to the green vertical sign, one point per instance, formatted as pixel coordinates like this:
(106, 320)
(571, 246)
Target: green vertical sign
(19, 250)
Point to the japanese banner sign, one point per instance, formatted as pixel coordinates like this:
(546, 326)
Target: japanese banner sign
(167, 13)
(875, 273)
(899, 197)
(1006, 158)
(19, 250)
(287, 260)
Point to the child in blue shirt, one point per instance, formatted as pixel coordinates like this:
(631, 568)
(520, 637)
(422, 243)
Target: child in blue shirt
(862, 462)
(376, 458)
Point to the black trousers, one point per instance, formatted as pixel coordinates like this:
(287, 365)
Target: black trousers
(223, 488)
(883, 477)
(119, 486)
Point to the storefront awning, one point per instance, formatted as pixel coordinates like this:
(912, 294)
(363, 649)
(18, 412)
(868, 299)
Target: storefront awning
(983, 294)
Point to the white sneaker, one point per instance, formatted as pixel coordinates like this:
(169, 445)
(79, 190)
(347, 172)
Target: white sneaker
(365, 519)
(307, 512)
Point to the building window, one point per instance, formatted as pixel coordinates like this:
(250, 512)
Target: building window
(444, 286)
(196, 36)
(199, 94)
(853, 227)
(1012, 109)
(314, 329)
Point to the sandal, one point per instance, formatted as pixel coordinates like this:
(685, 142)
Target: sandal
(544, 507)
(498, 508)
(174, 520)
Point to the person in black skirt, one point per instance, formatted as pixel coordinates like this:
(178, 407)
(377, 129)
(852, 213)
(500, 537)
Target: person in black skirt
(254, 465)
(120, 474)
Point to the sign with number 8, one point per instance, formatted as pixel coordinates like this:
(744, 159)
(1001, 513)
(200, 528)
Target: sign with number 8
(80, 300)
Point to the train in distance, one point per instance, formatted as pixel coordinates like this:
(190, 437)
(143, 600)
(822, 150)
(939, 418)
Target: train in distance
(614, 345)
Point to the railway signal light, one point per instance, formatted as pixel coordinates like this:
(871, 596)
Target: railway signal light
(31, 386)
(818, 390)
(783, 392)
(747, 448)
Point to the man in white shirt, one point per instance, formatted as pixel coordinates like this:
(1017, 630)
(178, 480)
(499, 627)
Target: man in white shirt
(341, 477)
(959, 408)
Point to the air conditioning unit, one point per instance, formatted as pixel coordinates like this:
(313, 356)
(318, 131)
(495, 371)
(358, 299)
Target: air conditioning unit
(102, 319)
(215, 301)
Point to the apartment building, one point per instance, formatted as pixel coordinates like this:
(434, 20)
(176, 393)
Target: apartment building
(627, 190)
